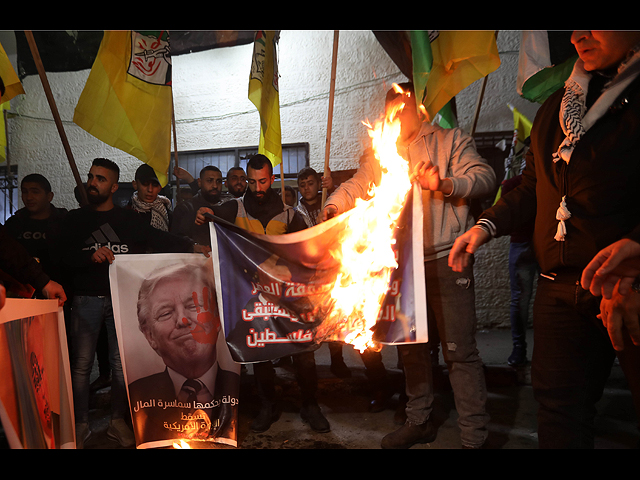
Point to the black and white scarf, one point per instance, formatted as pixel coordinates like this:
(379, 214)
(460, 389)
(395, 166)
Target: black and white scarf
(158, 208)
(575, 119)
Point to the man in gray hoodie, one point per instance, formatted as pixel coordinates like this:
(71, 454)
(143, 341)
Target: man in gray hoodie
(451, 172)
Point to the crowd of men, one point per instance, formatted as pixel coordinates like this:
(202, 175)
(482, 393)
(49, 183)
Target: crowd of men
(578, 187)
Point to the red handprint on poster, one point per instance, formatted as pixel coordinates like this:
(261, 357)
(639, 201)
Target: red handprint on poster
(207, 323)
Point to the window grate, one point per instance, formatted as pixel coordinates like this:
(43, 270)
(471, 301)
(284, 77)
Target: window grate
(295, 156)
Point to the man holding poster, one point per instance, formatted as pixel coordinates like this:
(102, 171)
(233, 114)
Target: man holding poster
(192, 397)
(90, 238)
(262, 211)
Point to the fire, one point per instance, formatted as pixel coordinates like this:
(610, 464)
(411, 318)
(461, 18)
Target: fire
(366, 252)
(182, 445)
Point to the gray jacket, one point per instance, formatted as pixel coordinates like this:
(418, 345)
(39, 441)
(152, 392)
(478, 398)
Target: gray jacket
(445, 217)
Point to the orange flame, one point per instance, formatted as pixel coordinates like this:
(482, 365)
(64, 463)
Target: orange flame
(182, 444)
(366, 253)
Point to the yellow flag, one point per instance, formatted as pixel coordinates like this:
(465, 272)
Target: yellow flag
(459, 59)
(522, 125)
(515, 163)
(127, 102)
(263, 93)
(9, 77)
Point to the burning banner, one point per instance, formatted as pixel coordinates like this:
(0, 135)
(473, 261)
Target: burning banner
(181, 381)
(275, 291)
(357, 278)
(35, 392)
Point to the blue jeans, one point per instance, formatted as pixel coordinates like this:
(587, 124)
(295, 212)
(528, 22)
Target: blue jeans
(523, 269)
(87, 316)
(451, 309)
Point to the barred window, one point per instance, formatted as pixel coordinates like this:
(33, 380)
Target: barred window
(295, 156)
(9, 191)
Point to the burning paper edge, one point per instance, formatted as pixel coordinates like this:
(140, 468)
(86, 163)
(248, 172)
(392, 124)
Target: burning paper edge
(384, 137)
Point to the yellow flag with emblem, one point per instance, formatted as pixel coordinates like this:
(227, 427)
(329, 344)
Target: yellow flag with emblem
(127, 100)
(263, 93)
(12, 84)
(12, 87)
(459, 58)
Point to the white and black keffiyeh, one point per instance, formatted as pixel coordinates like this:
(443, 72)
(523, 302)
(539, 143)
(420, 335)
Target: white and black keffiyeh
(575, 119)
(158, 208)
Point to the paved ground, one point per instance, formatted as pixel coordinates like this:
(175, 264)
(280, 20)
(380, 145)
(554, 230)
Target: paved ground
(345, 404)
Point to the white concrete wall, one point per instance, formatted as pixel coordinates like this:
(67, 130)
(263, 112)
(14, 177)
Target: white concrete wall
(213, 111)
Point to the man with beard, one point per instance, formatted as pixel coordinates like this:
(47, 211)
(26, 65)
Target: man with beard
(210, 183)
(236, 183)
(90, 238)
(261, 210)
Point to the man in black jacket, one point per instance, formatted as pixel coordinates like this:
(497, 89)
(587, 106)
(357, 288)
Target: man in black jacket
(210, 183)
(580, 185)
(92, 235)
(37, 225)
(16, 261)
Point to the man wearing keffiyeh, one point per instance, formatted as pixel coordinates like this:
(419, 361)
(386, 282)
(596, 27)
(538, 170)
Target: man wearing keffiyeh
(580, 184)
(146, 198)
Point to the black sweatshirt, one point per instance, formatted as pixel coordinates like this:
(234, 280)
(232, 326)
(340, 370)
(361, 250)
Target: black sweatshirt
(122, 230)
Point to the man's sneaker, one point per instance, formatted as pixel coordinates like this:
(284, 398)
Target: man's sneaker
(82, 434)
(312, 414)
(410, 434)
(120, 432)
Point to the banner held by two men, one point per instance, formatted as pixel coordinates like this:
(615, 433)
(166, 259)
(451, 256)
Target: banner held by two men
(274, 291)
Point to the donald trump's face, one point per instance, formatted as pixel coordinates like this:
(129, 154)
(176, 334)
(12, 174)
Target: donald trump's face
(181, 322)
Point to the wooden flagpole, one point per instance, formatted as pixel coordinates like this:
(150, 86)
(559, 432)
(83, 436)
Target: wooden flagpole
(478, 104)
(332, 91)
(9, 174)
(56, 115)
(175, 145)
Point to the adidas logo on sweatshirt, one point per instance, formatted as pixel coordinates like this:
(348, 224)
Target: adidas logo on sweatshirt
(105, 236)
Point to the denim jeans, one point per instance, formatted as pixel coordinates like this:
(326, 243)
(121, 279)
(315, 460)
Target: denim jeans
(572, 359)
(523, 269)
(451, 308)
(88, 314)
